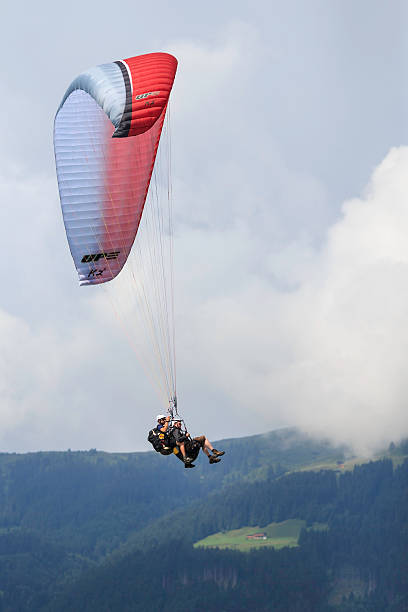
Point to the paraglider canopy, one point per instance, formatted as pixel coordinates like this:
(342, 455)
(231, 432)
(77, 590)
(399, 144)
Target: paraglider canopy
(106, 134)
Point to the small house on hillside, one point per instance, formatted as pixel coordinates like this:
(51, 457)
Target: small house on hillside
(256, 536)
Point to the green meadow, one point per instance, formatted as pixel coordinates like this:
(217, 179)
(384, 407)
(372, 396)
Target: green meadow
(278, 536)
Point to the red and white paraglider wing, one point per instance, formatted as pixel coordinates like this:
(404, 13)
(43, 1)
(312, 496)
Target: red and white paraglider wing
(106, 134)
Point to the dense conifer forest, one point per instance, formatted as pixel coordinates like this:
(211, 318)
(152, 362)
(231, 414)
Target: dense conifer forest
(97, 532)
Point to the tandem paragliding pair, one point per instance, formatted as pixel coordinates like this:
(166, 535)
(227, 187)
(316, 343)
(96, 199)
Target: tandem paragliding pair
(106, 136)
(171, 437)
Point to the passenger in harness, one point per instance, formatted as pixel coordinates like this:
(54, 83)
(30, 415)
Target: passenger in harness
(159, 436)
(190, 447)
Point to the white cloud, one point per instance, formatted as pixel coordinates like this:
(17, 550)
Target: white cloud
(330, 355)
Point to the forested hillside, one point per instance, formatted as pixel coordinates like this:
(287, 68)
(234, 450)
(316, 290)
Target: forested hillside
(91, 501)
(94, 531)
(359, 563)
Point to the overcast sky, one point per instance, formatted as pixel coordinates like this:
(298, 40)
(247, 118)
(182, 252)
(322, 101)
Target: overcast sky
(290, 178)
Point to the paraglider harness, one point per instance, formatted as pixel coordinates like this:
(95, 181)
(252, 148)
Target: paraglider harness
(160, 441)
(165, 444)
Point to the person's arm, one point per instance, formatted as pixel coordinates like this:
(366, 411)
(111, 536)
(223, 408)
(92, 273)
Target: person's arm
(166, 425)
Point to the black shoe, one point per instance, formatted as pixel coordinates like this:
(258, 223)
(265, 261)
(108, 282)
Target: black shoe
(217, 453)
(214, 459)
(189, 465)
(188, 460)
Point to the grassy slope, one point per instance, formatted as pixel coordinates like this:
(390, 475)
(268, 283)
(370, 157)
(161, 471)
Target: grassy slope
(278, 535)
(349, 464)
